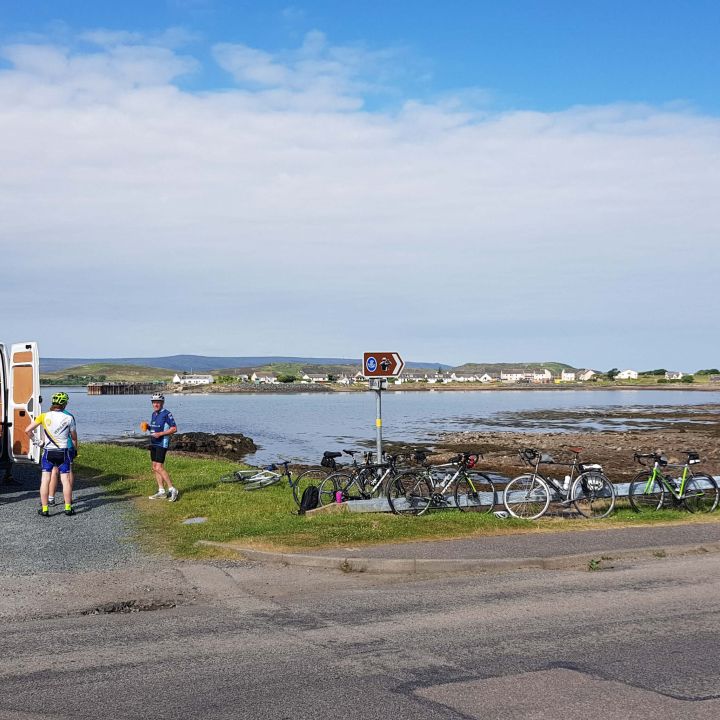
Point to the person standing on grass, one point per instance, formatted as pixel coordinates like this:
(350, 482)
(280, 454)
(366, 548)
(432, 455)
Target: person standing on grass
(161, 426)
(57, 427)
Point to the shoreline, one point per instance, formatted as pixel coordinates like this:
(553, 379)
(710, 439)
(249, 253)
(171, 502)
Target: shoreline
(328, 389)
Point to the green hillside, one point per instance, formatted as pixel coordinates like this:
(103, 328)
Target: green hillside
(106, 372)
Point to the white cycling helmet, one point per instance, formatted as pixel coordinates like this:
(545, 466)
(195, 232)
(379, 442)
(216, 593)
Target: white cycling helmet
(157, 397)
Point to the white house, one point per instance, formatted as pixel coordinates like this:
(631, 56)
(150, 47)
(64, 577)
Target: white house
(584, 375)
(485, 378)
(269, 379)
(193, 379)
(541, 376)
(674, 375)
(315, 378)
(627, 375)
(414, 376)
(512, 376)
(568, 376)
(463, 377)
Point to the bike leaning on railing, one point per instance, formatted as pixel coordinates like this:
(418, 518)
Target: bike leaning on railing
(586, 487)
(652, 488)
(361, 482)
(414, 492)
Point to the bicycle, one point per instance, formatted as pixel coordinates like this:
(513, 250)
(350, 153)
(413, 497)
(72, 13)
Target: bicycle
(528, 495)
(257, 478)
(315, 476)
(364, 482)
(697, 492)
(415, 492)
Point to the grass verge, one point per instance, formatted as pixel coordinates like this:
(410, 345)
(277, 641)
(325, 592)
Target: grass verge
(265, 518)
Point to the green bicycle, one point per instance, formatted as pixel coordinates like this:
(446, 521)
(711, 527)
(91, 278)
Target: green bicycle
(696, 492)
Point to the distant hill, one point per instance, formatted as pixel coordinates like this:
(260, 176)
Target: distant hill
(203, 363)
(110, 372)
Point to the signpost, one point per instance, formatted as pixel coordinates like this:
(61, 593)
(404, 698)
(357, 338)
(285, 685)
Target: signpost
(377, 367)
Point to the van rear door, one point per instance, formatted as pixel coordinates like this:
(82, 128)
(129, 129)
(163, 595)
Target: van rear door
(3, 402)
(24, 399)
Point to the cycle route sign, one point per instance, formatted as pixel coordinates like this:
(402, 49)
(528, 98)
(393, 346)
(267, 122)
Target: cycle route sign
(382, 364)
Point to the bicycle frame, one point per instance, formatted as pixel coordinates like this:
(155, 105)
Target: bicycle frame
(559, 487)
(371, 488)
(656, 474)
(440, 488)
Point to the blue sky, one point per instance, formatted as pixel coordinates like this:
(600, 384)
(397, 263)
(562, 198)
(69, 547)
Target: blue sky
(542, 54)
(466, 181)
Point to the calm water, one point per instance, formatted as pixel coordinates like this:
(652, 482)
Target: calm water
(300, 426)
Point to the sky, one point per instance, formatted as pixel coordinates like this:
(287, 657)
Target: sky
(457, 182)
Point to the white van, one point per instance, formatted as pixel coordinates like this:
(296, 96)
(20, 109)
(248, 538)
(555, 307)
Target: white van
(19, 402)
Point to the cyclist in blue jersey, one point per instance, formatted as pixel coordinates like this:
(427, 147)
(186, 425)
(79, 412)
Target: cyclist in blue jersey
(161, 426)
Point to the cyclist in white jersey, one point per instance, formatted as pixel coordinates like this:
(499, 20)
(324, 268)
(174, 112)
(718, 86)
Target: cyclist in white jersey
(55, 476)
(57, 427)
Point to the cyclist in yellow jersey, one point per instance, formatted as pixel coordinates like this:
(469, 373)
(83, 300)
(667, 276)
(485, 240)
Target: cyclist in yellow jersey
(57, 427)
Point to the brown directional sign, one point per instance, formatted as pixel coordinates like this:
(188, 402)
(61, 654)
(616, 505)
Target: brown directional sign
(382, 364)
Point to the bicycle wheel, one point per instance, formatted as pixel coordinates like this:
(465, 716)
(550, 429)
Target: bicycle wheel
(646, 494)
(701, 493)
(409, 494)
(353, 487)
(527, 497)
(593, 494)
(330, 486)
(304, 480)
(474, 492)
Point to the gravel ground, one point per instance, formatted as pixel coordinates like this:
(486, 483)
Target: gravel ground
(98, 537)
(86, 563)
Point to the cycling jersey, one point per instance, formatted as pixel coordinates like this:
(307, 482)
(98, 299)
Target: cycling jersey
(57, 427)
(70, 440)
(159, 422)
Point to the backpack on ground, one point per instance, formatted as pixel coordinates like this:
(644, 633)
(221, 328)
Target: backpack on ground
(310, 499)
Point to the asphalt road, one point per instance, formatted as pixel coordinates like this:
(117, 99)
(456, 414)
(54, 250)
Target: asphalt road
(635, 641)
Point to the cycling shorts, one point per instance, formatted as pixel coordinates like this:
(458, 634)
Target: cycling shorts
(54, 458)
(157, 453)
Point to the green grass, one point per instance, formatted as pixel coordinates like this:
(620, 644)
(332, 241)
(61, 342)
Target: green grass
(265, 518)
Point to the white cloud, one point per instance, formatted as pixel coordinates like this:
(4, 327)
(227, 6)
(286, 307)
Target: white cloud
(281, 217)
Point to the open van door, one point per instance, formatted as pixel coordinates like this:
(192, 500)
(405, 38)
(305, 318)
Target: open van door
(24, 400)
(4, 456)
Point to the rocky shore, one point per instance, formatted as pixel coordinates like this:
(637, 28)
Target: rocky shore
(673, 431)
(234, 446)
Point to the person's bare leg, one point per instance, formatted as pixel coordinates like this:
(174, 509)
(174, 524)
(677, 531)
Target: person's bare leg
(158, 471)
(44, 485)
(53, 481)
(67, 488)
(165, 478)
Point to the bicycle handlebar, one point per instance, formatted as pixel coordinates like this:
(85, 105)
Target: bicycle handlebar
(655, 457)
(467, 458)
